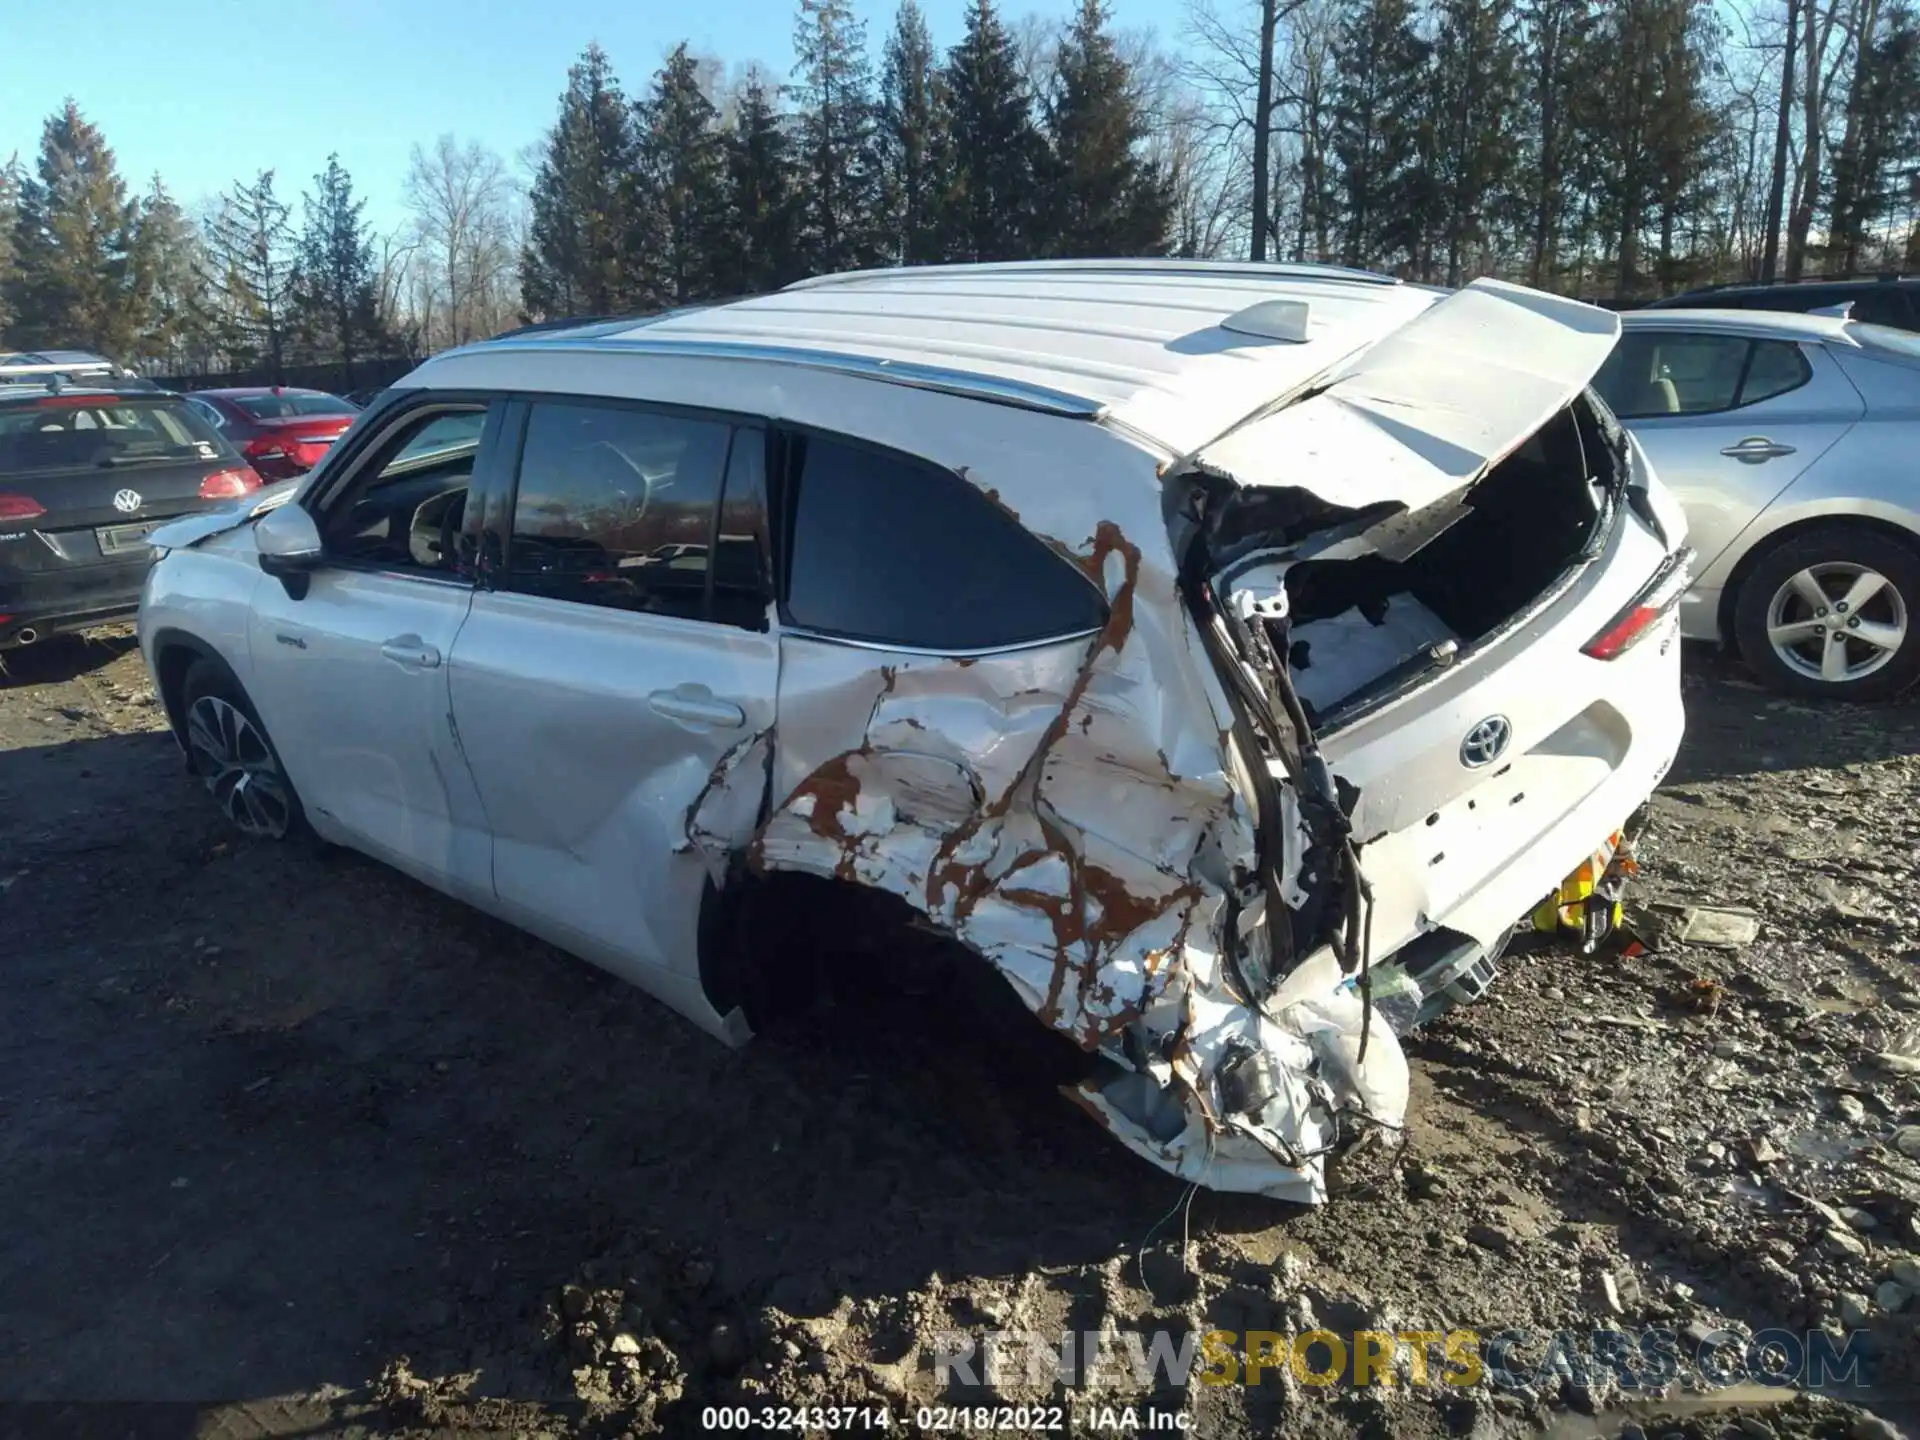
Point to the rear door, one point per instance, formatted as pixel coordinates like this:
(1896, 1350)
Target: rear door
(621, 649)
(1729, 421)
(350, 662)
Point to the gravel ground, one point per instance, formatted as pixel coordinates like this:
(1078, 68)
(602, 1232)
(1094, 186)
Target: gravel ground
(290, 1145)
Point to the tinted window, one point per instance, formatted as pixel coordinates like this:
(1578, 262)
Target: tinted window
(898, 552)
(1879, 305)
(287, 407)
(1775, 367)
(57, 433)
(616, 507)
(1654, 373)
(405, 508)
(742, 554)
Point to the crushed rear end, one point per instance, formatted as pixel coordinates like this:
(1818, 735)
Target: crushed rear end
(1439, 589)
(1398, 657)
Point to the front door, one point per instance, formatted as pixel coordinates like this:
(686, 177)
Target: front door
(350, 663)
(620, 651)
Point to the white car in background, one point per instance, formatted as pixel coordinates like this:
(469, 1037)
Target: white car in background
(1192, 644)
(1793, 442)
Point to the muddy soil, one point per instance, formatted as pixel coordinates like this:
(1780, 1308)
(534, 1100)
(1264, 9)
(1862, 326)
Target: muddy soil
(290, 1145)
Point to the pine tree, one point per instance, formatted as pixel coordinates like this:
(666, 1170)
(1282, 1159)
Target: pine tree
(1645, 125)
(335, 290)
(9, 218)
(994, 212)
(175, 330)
(1882, 128)
(1382, 68)
(1476, 104)
(1556, 65)
(77, 273)
(912, 145)
(579, 256)
(1104, 197)
(681, 165)
(761, 251)
(251, 252)
(833, 97)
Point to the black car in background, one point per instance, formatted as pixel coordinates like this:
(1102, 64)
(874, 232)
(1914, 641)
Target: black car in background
(85, 475)
(1882, 300)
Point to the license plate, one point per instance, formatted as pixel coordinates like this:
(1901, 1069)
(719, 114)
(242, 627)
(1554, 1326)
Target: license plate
(120, 539)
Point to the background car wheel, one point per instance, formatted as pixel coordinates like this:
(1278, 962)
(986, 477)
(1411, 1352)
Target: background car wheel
(228, 748)
(1833, 613)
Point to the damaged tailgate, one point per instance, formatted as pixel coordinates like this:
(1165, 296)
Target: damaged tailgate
(1422, 412)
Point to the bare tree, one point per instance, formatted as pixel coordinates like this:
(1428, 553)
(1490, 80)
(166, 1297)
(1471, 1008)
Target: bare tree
(462, 203)
(1237, 56)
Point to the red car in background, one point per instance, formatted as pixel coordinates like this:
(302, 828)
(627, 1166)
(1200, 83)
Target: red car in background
(281, 431)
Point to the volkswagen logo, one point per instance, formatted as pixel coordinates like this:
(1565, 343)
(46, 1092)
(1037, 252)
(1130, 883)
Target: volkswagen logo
(1486, 742)
(126, 501)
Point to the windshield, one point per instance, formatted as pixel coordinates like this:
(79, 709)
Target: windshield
(288, 407)
(58, 433)
(1887, 340)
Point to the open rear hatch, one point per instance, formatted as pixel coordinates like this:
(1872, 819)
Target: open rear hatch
(1420, 498)
(1358, 539)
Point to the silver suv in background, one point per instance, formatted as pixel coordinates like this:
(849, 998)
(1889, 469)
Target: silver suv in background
(1197, 646)
(1792, 442)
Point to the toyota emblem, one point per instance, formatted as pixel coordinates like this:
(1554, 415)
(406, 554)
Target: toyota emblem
(126, 501)
(1486, 742)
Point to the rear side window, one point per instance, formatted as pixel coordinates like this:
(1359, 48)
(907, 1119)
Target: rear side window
(1654, 373)
(617, 507)
(1774, 368)
(57, 433)
(899, 552)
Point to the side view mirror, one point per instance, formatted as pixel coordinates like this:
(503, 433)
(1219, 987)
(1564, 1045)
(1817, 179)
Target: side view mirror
(289, 546)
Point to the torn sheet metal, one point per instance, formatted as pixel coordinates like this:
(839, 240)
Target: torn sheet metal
(1431, 406)
(1065, 813)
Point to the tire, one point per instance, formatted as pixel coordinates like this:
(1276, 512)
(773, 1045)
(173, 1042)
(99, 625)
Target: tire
(1833, 614)
(228, 748)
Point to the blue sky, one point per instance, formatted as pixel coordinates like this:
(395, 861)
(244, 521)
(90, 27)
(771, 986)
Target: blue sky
(206, 91)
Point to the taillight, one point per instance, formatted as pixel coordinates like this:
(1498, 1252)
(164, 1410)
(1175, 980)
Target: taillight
(1654, 602)
(20, 507)
(226, 484)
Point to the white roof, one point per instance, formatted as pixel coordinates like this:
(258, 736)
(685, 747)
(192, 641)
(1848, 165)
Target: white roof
(1141, 341)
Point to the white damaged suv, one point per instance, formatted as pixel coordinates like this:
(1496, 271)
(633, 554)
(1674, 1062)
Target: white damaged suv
(1193, 644)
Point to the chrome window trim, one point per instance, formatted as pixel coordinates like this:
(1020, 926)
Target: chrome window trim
(425, 577)
(801, 632)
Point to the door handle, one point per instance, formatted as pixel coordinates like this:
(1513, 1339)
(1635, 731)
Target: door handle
(696, 707)
(411, 651)
(1757, 450)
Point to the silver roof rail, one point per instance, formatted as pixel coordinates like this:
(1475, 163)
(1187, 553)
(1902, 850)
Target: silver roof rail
(1191, 269)
(892, 372)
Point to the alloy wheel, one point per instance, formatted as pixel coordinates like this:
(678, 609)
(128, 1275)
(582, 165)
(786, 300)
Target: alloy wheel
(233, 757)
(1837, 621)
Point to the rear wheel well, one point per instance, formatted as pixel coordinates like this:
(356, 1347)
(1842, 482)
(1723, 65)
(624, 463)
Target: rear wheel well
(785, 946)
(1799, 530)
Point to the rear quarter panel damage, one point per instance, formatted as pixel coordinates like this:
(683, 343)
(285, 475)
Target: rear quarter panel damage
(1065, 812)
